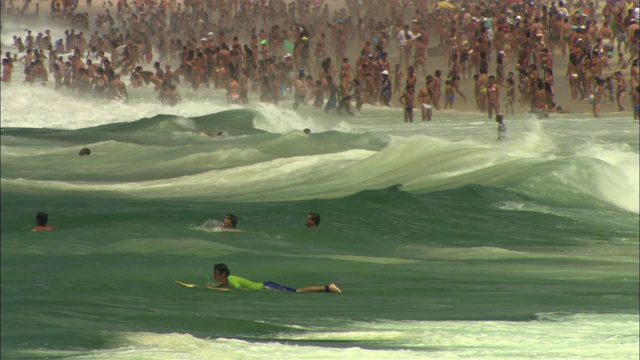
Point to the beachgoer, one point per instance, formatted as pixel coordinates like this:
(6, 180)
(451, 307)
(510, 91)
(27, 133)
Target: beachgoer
(425, 99)
(502, 128)
(300, 90)
(407, 100)
(635, 98)
(449, 94)
(493, 97)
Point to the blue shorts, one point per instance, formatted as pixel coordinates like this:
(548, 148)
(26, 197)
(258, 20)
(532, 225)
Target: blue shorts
(270, 285)
(636, 107)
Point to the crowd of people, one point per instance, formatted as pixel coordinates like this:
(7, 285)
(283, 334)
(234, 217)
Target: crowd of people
(299, 50)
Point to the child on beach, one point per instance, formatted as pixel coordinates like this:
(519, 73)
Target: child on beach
(407, 100)
(509, 96)
(448, 94)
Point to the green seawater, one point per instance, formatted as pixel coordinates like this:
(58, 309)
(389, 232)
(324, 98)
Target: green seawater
(444, 244)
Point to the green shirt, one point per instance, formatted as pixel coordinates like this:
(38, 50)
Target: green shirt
(236, 282)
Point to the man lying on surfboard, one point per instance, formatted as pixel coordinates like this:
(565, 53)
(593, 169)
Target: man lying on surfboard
(231, 282)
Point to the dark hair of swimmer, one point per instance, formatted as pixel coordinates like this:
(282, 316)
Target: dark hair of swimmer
(221, 269)
(307, 131)
(42, 218)
(84, 151)
(315, 217)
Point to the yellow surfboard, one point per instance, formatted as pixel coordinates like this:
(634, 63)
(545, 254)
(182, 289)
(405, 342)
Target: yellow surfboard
(185, 284)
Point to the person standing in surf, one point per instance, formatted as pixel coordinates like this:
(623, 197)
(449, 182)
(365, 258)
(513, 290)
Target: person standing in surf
(502, 128)
(425, 99)
(493, 97)
(407, 100)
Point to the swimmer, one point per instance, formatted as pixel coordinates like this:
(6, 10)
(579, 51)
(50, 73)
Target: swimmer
(230, 221)
(227, 281)
(211, 133)
(41, 222)
(313, 220)
(84, 151)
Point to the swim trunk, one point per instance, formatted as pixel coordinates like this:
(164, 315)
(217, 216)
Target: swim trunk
(636, 107)
(271, 286)
(450, 97)
(408, 109)
(331, 104)
(426, 106)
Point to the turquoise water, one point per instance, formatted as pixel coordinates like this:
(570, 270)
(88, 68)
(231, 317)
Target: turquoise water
(445, 242)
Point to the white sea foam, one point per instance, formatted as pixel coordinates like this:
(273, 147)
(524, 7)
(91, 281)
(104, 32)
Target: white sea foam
(551, 336)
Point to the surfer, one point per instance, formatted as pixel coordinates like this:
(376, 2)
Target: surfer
(231, 282)
(41, 222)
(313, 220)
